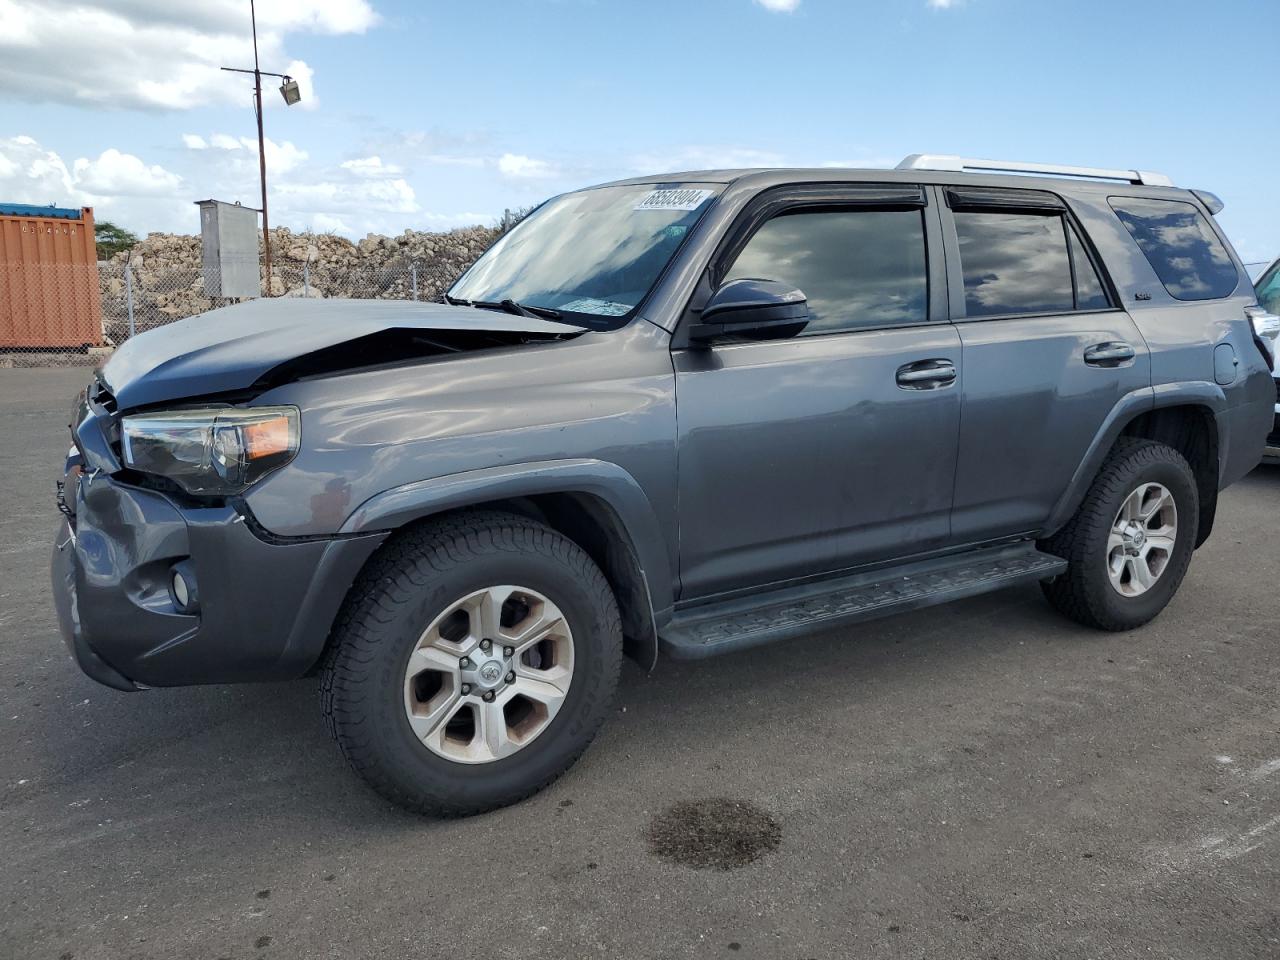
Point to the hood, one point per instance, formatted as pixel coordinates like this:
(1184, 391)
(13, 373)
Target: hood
(265, 342)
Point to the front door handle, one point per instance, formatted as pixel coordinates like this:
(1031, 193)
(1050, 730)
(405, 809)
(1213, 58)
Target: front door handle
(1110, 354)
(926, 374)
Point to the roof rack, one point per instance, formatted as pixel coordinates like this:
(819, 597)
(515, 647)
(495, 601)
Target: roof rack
(942, 161)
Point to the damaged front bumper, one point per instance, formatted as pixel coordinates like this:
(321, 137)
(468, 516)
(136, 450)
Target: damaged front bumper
(250, 607)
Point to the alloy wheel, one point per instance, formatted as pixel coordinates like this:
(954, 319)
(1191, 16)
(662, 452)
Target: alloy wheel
(1142, 539)
(489, 674)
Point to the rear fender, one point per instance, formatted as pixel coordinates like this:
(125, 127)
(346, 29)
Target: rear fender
(1131, 405)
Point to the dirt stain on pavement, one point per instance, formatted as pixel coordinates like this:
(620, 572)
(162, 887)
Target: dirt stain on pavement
(715, 833)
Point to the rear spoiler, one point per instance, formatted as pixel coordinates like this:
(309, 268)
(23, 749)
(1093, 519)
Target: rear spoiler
(1210, 200)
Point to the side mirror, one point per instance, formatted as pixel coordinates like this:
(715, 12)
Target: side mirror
(752, 310)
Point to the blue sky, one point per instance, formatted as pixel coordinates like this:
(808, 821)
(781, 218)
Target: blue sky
(435, 113)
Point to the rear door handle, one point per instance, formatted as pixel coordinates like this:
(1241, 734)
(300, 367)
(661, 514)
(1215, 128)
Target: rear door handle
(1110, 354)
(926, 374)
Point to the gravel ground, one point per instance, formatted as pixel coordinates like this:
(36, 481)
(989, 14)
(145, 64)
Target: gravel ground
(979, 780)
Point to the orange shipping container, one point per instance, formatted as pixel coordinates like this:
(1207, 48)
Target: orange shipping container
(49, 294)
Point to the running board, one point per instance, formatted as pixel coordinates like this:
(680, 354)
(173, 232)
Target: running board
(712, 629)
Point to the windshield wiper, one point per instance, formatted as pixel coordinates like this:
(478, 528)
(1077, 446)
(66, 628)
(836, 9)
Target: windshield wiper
(544, 313)
(519, 309)
(510, 306)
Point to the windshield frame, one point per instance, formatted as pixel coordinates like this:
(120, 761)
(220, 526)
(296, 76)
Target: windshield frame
(605, 322)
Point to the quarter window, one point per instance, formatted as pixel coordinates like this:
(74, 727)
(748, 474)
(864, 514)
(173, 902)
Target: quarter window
(1024, 262)
(1089, 292)
(858, 268)
(1180, 245)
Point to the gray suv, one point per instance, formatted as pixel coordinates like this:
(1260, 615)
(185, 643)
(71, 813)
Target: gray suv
(679, 415)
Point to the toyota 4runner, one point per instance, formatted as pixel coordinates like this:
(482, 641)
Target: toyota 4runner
(678, 415)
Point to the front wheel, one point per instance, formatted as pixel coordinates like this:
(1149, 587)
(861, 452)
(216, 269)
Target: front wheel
(1130, 543)
(473, 663)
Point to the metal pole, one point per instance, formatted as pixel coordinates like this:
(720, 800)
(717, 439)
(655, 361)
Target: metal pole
(262, 148)
(413, 272)
(306, 277)
(128, 290)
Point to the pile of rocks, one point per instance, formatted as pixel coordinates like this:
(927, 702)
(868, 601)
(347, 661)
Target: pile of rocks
(168, 279)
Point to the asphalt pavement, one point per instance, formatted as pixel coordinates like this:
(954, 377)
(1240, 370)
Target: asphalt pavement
(978, 780)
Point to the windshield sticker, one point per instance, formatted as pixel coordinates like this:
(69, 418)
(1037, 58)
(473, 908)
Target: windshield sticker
(674, 200)
(601, 308)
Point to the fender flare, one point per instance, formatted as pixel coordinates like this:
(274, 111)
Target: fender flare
(601, 479)
(1130, 406)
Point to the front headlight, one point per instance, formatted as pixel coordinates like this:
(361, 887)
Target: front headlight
(216, 451)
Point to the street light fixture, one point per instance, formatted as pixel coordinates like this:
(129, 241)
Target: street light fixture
(289, 90)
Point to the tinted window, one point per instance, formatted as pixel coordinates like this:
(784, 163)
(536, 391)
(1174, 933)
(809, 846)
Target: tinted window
(859, 268)
(1180, 245)
(1268, 289)
(1014, 263)
(1089, 292)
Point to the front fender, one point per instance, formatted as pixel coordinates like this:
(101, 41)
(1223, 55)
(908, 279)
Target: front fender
(598, 478)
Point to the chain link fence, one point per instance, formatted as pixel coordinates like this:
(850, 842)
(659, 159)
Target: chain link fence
(58, 315)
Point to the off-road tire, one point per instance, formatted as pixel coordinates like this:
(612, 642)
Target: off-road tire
(408, 583)
(1084, 593)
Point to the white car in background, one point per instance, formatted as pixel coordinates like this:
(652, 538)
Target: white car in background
(1267, 325)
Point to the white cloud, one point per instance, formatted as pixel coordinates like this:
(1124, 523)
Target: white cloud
(944, 4)
(520, 167)
(371, 167)
(779, 6)
(120, 186)
(705, 158)
(281, 157)
(156, 54)
(116, 174)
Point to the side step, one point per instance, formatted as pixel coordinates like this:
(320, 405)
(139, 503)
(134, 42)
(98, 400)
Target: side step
(708, 630)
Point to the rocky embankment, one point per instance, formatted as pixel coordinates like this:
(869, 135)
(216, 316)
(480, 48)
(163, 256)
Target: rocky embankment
(168, 281)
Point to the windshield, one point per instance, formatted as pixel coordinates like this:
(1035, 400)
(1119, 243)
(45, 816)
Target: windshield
(1268, 289)
(592, 255)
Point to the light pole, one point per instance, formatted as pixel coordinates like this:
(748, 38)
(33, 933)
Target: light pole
(289, 90)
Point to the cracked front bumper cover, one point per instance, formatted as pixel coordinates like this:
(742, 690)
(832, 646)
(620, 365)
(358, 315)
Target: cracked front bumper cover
(264, 610)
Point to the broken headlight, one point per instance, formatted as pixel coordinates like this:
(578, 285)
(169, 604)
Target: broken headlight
(217, 451)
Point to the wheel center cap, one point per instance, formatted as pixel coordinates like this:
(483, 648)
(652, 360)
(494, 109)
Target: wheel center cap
(1134, 537)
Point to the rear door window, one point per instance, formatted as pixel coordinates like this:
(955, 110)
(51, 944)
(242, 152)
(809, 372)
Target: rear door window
(1024, 262)
(1180, 245)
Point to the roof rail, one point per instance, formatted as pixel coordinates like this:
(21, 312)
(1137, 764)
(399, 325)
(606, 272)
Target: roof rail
(942, 161)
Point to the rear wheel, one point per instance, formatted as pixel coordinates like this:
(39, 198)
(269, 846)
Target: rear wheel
(1130, 543)
(472, 664)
